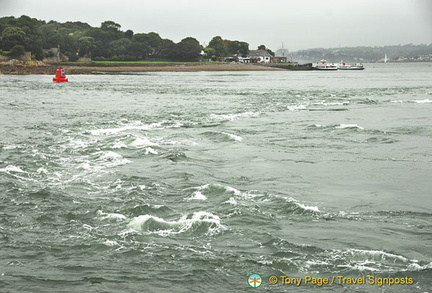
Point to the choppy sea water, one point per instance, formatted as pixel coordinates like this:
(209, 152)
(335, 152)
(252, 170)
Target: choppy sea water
(191, 182)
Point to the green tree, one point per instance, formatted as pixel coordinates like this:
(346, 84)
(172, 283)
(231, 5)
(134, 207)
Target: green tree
(148, 44)
(210, 53)
(140, 47)
(188, 49)
(111, 26)
(219, 46)
(237, 48)
(86, 45)
(31, 27)
(121, 46)
(13, 36)
(168, 49)
(129, 34)
(154, 41)
(6, 22)
(73, 27)
(101, 41)
(50, 35)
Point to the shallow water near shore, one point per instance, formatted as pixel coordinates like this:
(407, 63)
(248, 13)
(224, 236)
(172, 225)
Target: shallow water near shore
(193, 181)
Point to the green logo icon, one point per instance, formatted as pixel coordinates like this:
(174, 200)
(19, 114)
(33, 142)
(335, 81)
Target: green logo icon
(254, 280)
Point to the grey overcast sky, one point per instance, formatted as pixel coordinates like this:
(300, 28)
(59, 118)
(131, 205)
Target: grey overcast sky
(299, 24)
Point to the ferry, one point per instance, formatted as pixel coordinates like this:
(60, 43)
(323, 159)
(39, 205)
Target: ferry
(323, 65)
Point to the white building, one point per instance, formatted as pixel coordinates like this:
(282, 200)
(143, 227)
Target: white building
(258, 56)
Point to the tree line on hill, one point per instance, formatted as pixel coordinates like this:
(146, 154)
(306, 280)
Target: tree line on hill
(107, 42)
(396, 53)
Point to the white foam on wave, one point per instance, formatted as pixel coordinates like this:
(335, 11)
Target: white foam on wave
(197, 222)
(377, 254)
(113, 159)
(417, 267)
(200, 191)
(362, 267)
(231, 201)
(75, 143)
(133, 126)
(317, 125)
(106, 159)
(137, 143)
(111, 243)
(297, 107)
(302, 206)
(364, 260)
(187, 142)
(250, 194)
(233, 136)
(176, 125)
(119, 145)
(11, 147)
(12, 168)
(233, 116)
(110, 155)
(297, 205)
(87, 227)
(86, 165)
(42, 171)
(223, 187)
(142, 142)
(151, 151)
(372, 256)
(344, 126)
(111, 216)
(324, 103)
(307, 208)
(426, 101)
(197, 195)
(233, 190)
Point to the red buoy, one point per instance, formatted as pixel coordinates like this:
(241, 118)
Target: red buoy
(60, 75)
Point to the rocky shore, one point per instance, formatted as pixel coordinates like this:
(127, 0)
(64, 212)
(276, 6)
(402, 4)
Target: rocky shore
(26, 67)
(38, 67)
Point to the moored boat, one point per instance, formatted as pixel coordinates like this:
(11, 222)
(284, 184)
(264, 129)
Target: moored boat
(323, 65)
(344, 66)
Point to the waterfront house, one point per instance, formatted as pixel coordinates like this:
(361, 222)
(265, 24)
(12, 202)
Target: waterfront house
(258, 56)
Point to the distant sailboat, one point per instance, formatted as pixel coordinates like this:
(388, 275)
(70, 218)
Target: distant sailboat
(385, 58)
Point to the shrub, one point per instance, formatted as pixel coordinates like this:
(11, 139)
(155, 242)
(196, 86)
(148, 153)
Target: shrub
(17, 51)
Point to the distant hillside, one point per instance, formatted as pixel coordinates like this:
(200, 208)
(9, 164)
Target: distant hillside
(398, 53)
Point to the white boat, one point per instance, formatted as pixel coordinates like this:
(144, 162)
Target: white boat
(323, 65)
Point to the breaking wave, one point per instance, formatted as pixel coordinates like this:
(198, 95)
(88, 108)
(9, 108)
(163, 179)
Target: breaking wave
(197, 223)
